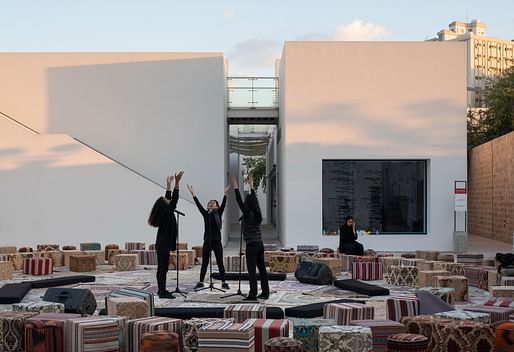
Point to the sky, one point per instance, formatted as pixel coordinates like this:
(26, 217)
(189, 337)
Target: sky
(250, 33)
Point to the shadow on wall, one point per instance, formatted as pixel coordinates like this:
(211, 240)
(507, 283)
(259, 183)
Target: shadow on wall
(140, 113)
(428, 128)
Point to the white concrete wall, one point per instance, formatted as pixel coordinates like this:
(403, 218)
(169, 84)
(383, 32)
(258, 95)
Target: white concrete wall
(55, 190)
(154, 112)
(371, 100)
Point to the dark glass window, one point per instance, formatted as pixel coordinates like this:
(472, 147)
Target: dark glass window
(384, 196)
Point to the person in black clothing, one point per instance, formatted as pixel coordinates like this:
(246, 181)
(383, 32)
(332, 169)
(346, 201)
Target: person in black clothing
(348, 238)
(162, 216)
(252, 219)
(212, 235)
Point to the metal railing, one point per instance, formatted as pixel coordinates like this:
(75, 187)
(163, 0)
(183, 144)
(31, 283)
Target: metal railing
(252, 92)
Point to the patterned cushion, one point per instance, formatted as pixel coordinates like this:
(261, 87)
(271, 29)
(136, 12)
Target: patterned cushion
(56, 256)
(130, 307)
(428, 255)
(39, 307)
(82, 263)
(465, 315)
(159, 341)
(402, 275)
(190, 329)
(496, 313)
(424, 325)
(69, 248)
(12, 330)
(242, 312)
(345, 338)
(407, 343)
(502, 291)
(343, 313)
(265, 329)
(270, 247)
(45, 332)
(334, 264)
(282, 263)
(458, 283)
(92, 246)
(68, 253)
(402, 306)
(464, 335)
(25, 249)
(183, 261)
(477, 275)
(138, 293)
(453, 268)
(504, 302)
(283, 344)
(411, 261)
(380, 331)
(426, 278)
(6, 270)
(47, 247)
(126, 262)
(107, 247)
(388, 261)
(444, 257)
(112, 253)
(307, 332)
(137, 327)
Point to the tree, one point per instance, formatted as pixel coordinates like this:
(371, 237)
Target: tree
(257, 167)
(497, 118)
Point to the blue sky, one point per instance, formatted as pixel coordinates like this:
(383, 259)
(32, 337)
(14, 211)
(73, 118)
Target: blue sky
(250, 34)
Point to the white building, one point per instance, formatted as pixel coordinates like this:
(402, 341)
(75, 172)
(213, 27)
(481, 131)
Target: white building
(108, 128)
(488, 57)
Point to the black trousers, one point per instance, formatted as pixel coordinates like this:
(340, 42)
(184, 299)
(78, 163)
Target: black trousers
(163, 259)
(217, 247)
(351, 248)
(255, 259)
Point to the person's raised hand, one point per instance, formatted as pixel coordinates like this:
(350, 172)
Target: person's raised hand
(227, 187)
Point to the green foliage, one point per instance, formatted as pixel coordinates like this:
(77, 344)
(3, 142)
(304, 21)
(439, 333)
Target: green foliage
(257, 167)
(498, 117)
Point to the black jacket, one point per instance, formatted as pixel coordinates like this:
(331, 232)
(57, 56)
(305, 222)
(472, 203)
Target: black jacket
(212, 225)
(167, 231)
(252, 217)
(346, 235)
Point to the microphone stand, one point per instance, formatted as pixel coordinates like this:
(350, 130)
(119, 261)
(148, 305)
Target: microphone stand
(177, 289)
(239, 293)
(211, 284)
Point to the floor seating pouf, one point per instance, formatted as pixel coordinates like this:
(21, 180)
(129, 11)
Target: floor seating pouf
(283, 344)
(407, 343)
(159, 341)
(380, 331)
(345, 339)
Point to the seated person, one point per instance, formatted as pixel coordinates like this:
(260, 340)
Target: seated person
(348, 238)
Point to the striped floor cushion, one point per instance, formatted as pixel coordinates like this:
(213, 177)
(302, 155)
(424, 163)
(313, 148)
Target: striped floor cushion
(380, 331)
(92, 334)
(130, 246)
(398, 307)
(507, 281)
(265, 329)
(504, 302)
(226, 337)
(159, 341)
(406, 342)
(307, 332)
(470, 258)
(137, 327)
(190, 329)
(367, 271)
(38, 266)
(242, 312)
(345, 338)
(496, 313)
(45, 332)
(283, 344)
(347, 262)
(145, 257)
(343, 313)
(231, 263)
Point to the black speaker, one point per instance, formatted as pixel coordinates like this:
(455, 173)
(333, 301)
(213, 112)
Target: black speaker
(75, 300)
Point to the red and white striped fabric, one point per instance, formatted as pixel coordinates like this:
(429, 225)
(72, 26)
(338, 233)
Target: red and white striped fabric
(38, 266)
(504, 302)
(242, 312)
(343, 313)
(367, 270)
(265, 329)
(347, 261)
(402, 306)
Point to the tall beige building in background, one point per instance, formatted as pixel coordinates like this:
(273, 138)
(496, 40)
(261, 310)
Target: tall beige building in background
(487, 57)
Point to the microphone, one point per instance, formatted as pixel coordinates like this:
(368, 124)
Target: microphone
(180, 213)
(209, 211)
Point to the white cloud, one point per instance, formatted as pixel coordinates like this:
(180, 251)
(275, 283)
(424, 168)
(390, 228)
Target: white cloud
(229, 13)
(355, 31)
(254, 56)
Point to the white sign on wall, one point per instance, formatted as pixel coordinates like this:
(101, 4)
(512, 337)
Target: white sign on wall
(461, 196)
